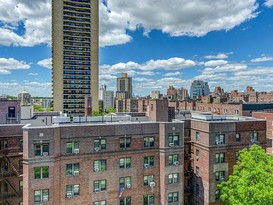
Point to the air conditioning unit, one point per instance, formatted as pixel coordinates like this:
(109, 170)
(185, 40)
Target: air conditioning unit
(76, 151)
(97, 169)
(76, 173)
(96, 149)
(146, 166)
(152, 184)
(45, 153)
(223, 178)
(197, 157)
(97, 190)
(69, 194)
(128, 186)
(171, 144)
(218, 142)
(176, 163)
(252, 141)
(45, 199)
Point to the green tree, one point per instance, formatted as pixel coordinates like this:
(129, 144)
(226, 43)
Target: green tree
(252, 180)
(111, 110)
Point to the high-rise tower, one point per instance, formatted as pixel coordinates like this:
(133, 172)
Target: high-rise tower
(75, 54)
(124, 87)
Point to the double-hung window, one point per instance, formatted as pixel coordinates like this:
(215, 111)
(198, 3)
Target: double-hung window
(41, 196)
(41, 149)
(125, 142)
(220, 139)
(253, 137)
(220, 158)
(125, 182)
(100, 185)
(149, 141)
(173, 197)
(173, 140)
(125, 201)
(220, 175)
(148, 179)
(173, 178)
(72, 190)
(149, 161)
(125, 162)
(99, 165)
(148, 199)
(41, 172)
(73, 169)
(99, 144)
(72, 147)
(173, 159)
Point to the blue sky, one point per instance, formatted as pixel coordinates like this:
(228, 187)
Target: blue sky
(157, 42)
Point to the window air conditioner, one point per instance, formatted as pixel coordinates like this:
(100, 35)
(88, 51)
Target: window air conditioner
(76, 173)
(146, 166)
(76, 151)
(176, 163)
(97, 170)
(69, 194)
(171, 144)
(152, 184)
(45, 199)
(45, 153)
(128, 186)
(96, 149)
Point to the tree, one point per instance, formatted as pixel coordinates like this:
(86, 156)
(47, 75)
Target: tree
(252, 180)
(111, 110)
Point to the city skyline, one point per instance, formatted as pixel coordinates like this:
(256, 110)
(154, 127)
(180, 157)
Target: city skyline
(226, 44)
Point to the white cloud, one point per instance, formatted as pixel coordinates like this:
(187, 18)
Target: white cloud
(172, 74)
(261, 59)
(33, 17)
(214, 63)
(33, 74)
(178, 18)
(269, 3)
(218, 56)
(8, 64)
(47, 63)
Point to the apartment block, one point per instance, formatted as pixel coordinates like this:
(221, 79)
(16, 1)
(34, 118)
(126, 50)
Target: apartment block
(9, 111)
(11, 164)
(113, 163)
(213, 150)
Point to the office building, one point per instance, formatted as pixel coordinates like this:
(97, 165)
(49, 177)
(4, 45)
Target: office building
(124, 87)
(75, 55)
(199, 88)
(107, 97)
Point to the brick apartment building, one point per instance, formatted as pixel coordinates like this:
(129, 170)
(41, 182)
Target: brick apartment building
(11, 164)
(213, 146)
(117, 163)
(9, 111)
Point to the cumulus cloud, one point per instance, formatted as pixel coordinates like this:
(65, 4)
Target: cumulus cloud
(218, 56)
(31, 18)
(194, 18)
(47, 63)
(7, 64)
(172, 74)
(213, 63)
(33, 74)
(261, 59)
(269, 3)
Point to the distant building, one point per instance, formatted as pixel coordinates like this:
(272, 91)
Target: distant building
(107, 97)
(124, 87)
(155, 94)
(199, 88)
(25, 98)
(172, 93)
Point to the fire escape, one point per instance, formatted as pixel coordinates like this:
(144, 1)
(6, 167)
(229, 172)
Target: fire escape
(11, 171)
(188, 171)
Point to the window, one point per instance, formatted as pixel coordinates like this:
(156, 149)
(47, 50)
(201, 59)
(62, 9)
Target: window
(41, 172)
(99, 185)
(237, 155)
(40, 196)
(197, 154)
(5, 144)
(219, 158)
(147, 180)
(149, 161)
(220, 139)
(125, 142)
(173, 140)
(100, 202)
(72, 147)
(99, 144)
(173, 197)
(21, 185)
(238, 137)
(173, 159)
(149, 141)
(125, 201)
(197, 136)
(20, 203)
(72, 190)
(220, 175)
(125, 182)
(217, 195)
(253, 137)
(41, 149)
(11, 111)
(197, 190)
(148, 199)
(6, 187)
(99, 165)
(173, 178)
(73, 169)
(125, 163)
(21, 165)
(197, 172)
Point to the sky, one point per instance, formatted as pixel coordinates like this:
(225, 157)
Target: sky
(159, 43)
